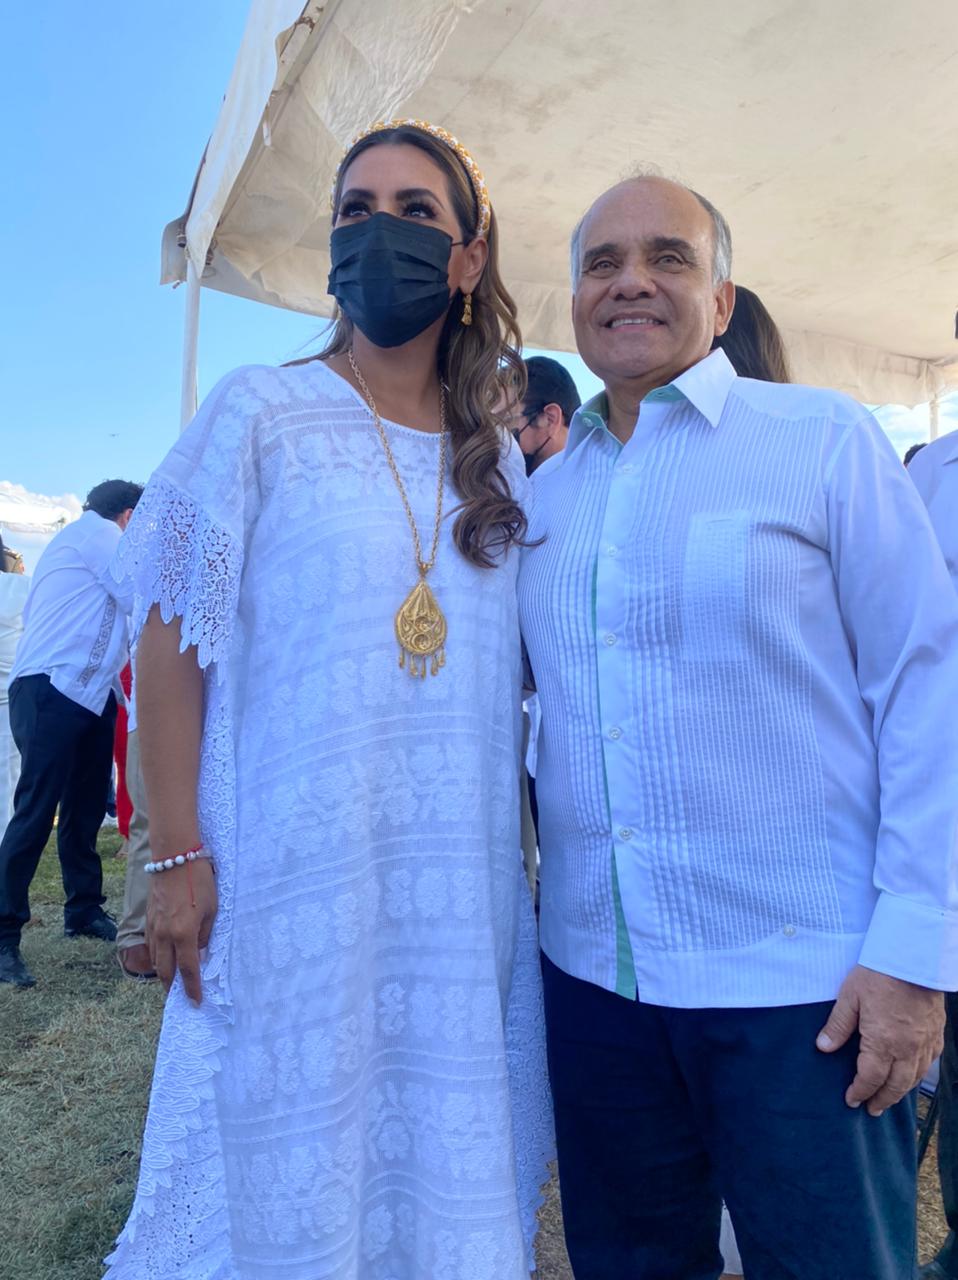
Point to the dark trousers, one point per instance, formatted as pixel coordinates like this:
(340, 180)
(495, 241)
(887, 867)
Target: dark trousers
(948, 1136)
(66, 756)
(662, 1113)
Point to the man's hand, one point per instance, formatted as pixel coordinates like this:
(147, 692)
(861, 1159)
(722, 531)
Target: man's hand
(902, 1032)
(179, 919)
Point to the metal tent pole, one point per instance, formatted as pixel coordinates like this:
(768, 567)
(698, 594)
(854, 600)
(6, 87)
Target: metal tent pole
(933, 406)
(191, 332)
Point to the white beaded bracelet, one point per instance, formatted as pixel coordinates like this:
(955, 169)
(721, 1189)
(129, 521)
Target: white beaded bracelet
(181, 859)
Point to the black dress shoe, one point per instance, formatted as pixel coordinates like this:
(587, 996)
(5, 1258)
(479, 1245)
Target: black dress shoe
(933, 1271)
(13, 970)
(101, 926)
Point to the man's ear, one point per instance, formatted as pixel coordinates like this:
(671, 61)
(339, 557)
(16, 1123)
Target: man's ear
(553, 416)
(724, 306)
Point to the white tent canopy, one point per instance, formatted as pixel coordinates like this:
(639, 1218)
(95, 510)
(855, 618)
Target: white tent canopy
(824, 132)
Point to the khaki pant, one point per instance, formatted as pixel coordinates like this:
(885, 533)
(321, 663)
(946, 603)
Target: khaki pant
(527, 830)
(131, 931)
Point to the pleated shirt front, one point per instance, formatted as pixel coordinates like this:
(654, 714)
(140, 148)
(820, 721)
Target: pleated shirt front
(745, 645)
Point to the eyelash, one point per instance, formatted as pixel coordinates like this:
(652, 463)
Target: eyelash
(357, 207)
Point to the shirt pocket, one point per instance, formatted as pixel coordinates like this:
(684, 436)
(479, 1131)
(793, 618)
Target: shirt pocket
(714, 587)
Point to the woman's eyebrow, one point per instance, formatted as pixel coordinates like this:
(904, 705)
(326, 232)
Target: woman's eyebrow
(357, 193)
(407, 193)
(417, 193)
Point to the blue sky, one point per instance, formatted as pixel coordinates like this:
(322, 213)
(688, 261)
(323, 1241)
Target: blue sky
(107, 109)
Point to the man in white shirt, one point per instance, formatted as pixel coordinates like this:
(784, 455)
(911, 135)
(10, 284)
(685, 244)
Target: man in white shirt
(934, 469)
(62, 716)
(14, 588)
(745, 646)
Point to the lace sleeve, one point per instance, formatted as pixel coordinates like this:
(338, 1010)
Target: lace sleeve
(183, 549)
(179, 559)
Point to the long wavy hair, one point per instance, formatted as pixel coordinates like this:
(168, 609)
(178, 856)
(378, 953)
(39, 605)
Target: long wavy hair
(474, 362)
(752, 340)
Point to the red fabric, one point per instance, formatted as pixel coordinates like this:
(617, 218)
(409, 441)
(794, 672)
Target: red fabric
(124, 807)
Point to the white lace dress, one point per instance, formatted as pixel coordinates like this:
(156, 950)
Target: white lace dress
(362, 1094)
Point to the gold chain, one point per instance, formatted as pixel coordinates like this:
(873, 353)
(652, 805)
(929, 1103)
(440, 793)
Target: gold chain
(424, 565)
(420, 624)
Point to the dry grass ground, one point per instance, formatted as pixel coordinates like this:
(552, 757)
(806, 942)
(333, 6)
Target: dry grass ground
(75, 1062)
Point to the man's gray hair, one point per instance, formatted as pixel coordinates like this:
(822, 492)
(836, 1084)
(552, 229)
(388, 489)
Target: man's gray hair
(721, 234)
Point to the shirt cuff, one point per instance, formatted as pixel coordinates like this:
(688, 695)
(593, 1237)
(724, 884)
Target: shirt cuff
(913, 941)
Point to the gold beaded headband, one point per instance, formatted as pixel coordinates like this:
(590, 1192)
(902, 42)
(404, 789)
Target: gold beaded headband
(470, 166)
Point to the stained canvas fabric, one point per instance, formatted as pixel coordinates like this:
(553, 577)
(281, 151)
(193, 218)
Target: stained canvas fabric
(838, 196)
(362, 1094)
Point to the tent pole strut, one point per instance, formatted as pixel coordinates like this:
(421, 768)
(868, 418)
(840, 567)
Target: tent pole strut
(190, 339)
(933, 415)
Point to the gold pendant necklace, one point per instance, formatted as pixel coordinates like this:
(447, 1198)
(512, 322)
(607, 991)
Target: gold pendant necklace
(420, 623)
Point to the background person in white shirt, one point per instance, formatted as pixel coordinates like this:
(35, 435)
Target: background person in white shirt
(62, 716)
(14, 586)
(746, 652)
(934, 469)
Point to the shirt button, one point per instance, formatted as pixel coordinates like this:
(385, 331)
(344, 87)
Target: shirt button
(625, 833)
(612, 551)
(615, 734)
(789, 931)
(627, 468)
(610, 638)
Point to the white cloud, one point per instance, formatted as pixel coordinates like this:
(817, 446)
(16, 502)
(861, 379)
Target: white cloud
(19, 506)
(29, 520)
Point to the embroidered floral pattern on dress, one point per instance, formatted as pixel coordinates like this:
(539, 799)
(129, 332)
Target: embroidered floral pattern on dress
(362, 1094)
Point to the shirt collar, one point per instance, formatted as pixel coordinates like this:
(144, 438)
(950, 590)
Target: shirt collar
(705, 386)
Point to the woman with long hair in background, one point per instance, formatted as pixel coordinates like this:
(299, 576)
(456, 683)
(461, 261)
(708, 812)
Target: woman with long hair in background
(753, 342)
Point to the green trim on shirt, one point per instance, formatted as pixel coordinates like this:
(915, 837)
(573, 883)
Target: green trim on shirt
(625, 984)
(596, 411)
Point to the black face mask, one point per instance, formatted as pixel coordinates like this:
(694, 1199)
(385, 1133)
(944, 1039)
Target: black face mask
(390, 276)
(532, 459)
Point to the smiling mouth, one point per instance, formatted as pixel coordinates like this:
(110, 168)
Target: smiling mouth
(621, 322)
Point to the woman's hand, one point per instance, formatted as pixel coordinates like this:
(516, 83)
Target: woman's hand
(179, 918)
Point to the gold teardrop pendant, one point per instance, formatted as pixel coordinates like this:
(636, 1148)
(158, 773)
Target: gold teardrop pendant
(421, 631)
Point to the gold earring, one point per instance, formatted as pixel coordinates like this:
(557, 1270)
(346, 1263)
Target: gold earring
(467, 309)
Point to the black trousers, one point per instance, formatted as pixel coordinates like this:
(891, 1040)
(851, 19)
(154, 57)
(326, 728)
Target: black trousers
(66, 755)
(662, 1113)
(948, 1136)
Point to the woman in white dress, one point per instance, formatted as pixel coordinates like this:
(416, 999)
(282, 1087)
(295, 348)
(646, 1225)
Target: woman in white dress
(350, 1081)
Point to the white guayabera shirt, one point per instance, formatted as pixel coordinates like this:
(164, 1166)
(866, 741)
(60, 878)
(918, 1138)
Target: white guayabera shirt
(935, 473)
(745, 645)
(74, 623)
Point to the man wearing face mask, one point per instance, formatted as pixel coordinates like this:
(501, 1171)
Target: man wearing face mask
(540, 421)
